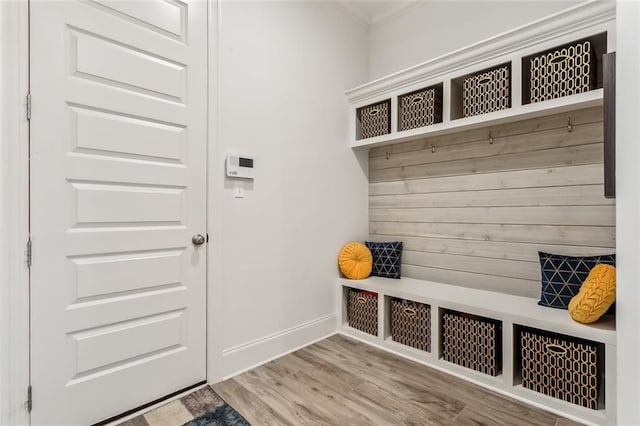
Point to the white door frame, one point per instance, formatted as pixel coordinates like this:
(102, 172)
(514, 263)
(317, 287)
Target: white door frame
(14, 196)
(215, 169)
(14, 228)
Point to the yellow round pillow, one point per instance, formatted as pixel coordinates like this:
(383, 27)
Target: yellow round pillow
(596, 295)
(355, 261)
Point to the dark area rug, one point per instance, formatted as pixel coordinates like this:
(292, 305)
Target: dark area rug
(210, 409)
(224, 415)
(202, 407)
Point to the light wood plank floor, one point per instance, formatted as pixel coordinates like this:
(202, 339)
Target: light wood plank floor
(340, 381)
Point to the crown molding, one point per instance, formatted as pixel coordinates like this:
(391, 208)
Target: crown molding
(567, 21)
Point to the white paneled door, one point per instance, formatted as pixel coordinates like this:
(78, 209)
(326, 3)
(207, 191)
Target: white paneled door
(118, 180)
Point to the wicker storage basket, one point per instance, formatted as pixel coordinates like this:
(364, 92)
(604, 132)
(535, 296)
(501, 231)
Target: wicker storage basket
(362, 311)
(473, 342)
(420, 108)
(562, 367)
(411, 324)
(487, 91)
(374, 120)
(562, 72)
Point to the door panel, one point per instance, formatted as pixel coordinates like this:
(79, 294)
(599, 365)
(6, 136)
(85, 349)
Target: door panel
(118, 179)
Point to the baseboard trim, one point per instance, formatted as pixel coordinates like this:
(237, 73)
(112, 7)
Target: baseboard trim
(252, 354)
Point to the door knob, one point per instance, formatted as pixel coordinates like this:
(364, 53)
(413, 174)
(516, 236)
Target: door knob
(198, 239)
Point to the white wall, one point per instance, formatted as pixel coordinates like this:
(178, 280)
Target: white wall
(628, 211)
(433, 28)
(283, 69)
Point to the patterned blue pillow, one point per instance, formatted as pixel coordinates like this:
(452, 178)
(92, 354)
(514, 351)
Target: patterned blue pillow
(562, 276)
(386, 258)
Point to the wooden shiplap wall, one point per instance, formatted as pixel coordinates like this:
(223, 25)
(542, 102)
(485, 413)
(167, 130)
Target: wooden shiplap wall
(475, 213)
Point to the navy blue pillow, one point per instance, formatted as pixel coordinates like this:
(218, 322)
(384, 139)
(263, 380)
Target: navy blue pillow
(386, 258)
(562, 276)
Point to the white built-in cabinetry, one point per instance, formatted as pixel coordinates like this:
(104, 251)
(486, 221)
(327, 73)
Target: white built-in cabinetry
(594, 20)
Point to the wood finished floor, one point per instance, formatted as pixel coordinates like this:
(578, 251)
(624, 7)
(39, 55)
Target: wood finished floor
(340, 381)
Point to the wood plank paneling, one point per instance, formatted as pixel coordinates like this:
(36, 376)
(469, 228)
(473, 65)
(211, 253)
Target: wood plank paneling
(590, 174)
(476, 213)
(490, 249)
(540, 215)
(553, 138)
(595, 236)
(558, 121)
(521, 287)
(566, 156)
(581, 195)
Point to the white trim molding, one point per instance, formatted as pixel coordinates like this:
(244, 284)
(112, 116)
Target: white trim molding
(572, 20)
(14, 211)
(628, 211)
(252, 354)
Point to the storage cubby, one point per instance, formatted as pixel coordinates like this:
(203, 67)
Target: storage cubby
(481, 92)
(420, 108)
(471, 341)
(565, 70)
(373, 120)
(362, 310)
(560, 366)
(482, 331)
(410, 323)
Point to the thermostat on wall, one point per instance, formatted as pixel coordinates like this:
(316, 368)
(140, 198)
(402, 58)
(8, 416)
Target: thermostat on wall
(239, 166)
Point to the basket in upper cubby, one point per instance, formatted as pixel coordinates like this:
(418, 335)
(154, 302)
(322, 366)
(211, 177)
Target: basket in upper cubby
(373, 120)
(568, 69)
(420, 108)
(564, 71)
(486, 91)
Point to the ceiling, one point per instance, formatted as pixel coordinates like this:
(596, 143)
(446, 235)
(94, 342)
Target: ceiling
(372, 11)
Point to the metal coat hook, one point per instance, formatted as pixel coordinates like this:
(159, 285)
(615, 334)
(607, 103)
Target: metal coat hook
(388, 155)
(433, 148)
(490, 139)
(569, 125)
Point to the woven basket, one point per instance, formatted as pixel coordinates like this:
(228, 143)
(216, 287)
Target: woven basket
(411, 324)
(473, 342)
(420, 108)
(562, 72)
(362, 311)
(487, 91)
(562, 367)
(374, 120)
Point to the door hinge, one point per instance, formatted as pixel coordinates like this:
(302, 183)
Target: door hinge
(29, 253)
(29, 403)
(28, 103)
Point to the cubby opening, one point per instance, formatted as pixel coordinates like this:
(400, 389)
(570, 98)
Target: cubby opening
(568, 64)
(481, 92)
(560, 366)
(420, 108)
(471, 341)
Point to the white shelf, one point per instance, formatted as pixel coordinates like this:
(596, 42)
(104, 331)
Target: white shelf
(540, 109)
(586, 20)
(501, 306)
(511, 310)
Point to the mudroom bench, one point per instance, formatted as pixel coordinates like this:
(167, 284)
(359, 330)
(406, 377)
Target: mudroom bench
(504, 342)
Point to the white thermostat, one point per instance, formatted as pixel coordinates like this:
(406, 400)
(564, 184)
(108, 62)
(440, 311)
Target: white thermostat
(239, 166)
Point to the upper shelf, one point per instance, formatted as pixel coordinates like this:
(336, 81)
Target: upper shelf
(559, 105)
(593, 20)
